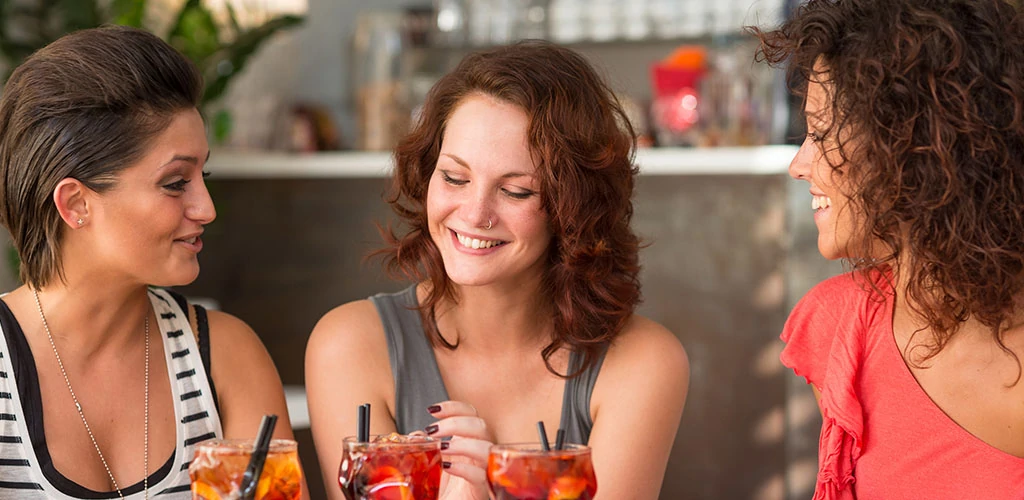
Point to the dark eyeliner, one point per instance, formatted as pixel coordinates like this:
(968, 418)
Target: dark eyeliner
(455, 182)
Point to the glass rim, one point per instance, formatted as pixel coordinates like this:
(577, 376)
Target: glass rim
(425, 442)
(535, 449)
(243, 444)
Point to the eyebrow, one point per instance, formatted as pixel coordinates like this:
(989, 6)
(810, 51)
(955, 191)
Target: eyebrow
(460, 161)
(187, 158)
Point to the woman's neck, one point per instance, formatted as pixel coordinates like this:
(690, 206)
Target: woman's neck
(87, 315)
(497, 318)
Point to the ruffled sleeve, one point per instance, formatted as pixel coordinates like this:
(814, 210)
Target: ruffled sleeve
(824, 341)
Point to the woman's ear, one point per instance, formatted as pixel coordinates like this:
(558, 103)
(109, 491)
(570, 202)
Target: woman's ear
(70, 198)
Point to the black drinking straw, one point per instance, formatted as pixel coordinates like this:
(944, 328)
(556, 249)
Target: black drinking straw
(364, 423)
(259, 456)
(543, 437)
(560, 440)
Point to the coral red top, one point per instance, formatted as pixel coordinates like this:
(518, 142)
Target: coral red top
(882, 436)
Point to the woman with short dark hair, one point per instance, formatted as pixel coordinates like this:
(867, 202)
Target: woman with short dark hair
(106, 384)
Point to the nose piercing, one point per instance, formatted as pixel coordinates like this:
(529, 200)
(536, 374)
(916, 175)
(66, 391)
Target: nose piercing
(488, 223)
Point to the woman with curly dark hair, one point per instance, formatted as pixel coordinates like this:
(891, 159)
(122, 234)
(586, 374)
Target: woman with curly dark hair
(915, 158)
(516, 188)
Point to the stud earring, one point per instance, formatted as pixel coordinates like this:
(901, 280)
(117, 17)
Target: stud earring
(80, 221)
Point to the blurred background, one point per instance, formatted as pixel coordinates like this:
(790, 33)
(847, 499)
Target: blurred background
(305, 98)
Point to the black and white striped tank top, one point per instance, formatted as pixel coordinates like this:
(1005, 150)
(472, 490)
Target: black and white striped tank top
(26, 470)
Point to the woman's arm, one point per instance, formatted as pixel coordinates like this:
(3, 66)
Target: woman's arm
(247, 382)
(637, 404)
(346, 366)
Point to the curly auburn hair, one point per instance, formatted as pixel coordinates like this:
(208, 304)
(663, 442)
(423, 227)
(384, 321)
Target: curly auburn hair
(584, 146)
(927, 106)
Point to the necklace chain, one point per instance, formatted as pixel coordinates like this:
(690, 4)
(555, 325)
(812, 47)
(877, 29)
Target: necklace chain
(78, 406)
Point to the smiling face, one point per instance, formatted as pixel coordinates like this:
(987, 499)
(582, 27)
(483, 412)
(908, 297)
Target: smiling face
(833, 213)
(483, 203)
(148, 225)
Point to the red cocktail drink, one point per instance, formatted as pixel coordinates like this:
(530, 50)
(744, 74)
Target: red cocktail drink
(392, 467)
(527, 472)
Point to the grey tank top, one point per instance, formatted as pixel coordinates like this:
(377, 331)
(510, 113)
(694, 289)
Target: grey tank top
(418, 382)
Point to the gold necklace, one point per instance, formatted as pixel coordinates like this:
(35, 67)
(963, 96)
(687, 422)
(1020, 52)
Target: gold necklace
(145, 480)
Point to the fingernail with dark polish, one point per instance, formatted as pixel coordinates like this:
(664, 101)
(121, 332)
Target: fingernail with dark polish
(432, 428)
(434, 408)
(446, 465)
(445, 445)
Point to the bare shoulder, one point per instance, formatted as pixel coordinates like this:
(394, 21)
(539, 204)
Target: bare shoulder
(645, 351)
(348, 343)
(232, 340)
(642, 385)
(248, 385)
(238, 357)
(353, 328)
(347, 364)
(645, 345)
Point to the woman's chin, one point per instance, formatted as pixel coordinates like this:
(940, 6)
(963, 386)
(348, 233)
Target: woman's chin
(178, 278)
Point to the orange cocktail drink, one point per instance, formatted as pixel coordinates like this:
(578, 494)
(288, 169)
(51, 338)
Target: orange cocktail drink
(219, 465)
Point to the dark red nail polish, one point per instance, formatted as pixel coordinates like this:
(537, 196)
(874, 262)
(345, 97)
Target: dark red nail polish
(432, 428)
(446, 465)
(445, 445)
(434, 408)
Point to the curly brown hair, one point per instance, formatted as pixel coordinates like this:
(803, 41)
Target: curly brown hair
(584, 146)
(927, 100)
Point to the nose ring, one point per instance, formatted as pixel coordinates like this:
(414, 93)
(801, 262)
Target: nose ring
(488, 223)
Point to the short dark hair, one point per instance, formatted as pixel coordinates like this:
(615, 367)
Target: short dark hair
(584, 145)
(85, 106)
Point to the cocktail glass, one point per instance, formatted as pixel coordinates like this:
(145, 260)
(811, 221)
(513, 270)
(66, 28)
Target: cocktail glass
(391, 467)
(527, 472)
(219, 464)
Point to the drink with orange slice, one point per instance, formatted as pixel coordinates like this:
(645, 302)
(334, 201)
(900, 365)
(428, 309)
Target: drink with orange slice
(392, 467)
(528, 472)
(219, 464)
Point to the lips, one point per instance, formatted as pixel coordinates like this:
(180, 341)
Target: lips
(475, 243)
(193, 243)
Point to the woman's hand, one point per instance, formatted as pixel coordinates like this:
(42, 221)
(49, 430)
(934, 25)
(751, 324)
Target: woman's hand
(465, 455)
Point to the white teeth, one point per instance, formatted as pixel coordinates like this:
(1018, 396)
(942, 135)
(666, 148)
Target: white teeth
(821, 202)
(475, 243)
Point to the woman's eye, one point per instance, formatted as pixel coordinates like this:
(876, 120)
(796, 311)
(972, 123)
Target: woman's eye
(519, 195)
(177, 185)
(453, 181)
(815, 137)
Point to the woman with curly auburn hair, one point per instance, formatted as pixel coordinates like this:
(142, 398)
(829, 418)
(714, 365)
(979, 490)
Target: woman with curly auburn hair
(915, 158)
(516, 188)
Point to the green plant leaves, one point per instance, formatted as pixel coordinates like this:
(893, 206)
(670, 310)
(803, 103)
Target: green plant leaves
(195, 33)
(128, 12)
(231, 59)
